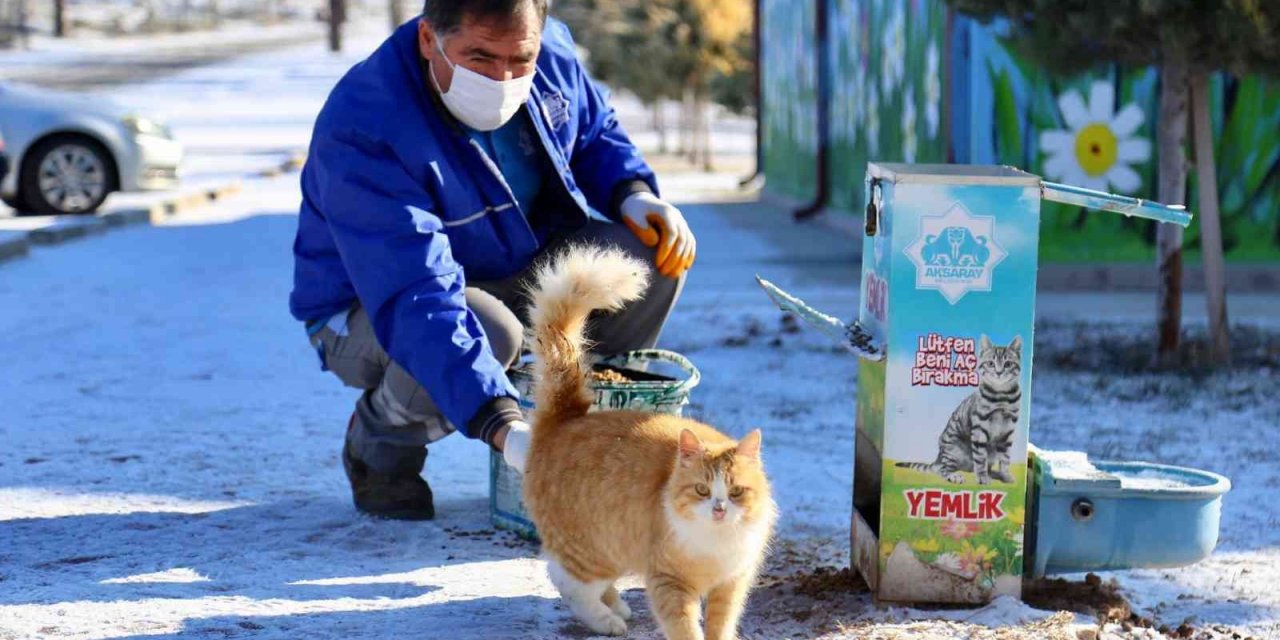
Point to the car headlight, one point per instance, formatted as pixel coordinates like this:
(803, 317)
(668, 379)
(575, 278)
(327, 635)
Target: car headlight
(140, 126)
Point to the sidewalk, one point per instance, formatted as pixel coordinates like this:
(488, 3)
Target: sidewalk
(172, 468)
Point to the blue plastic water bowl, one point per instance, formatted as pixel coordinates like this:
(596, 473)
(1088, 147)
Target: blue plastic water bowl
(1102, 516)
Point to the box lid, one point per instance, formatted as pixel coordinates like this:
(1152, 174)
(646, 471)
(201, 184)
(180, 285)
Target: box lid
(899, 173)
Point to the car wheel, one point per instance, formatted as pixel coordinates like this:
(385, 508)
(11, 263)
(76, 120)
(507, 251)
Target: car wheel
(67, 174)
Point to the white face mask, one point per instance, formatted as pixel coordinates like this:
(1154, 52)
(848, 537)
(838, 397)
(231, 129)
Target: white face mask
(480, 102)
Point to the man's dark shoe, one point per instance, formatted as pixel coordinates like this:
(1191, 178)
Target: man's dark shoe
(394, 496)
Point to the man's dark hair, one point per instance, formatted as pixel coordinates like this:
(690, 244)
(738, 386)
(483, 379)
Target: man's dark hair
(446, 16)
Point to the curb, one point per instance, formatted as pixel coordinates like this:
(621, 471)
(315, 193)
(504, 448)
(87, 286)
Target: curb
(1240, 278)
(61, 229)
(66, 228)
(293, 163)
(13, 245)
(189, 202)
(126, 217)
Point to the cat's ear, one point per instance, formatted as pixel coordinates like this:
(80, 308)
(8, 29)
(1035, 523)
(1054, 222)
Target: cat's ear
(984, 344)
(749, 445)
(1016, 345)
(690, 447)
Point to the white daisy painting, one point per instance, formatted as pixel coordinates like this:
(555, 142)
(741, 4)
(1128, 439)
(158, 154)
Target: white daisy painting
(1100, 146)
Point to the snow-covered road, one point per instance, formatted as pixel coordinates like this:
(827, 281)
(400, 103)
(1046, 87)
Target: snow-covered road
(170, 465)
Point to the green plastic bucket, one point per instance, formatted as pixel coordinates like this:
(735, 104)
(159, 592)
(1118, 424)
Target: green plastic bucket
(644, 391)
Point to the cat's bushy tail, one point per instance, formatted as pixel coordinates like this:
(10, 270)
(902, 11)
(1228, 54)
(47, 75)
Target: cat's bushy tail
(576, 282)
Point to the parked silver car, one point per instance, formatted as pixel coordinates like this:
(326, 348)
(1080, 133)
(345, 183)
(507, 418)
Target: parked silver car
(68, 152)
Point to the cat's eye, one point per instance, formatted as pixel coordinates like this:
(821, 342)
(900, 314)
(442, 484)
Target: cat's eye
(702, 489)
(736, 492)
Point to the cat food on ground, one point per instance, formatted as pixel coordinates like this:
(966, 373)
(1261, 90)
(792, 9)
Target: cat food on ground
(824, 582)
(1093, 597)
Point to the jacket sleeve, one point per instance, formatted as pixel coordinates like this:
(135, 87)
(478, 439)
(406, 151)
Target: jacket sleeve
(606, 165)
(399, 261)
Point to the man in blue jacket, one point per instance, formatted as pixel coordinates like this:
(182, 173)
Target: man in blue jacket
(468, 144)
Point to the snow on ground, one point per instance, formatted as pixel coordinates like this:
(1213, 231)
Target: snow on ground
(172, 467)
(1228, 423)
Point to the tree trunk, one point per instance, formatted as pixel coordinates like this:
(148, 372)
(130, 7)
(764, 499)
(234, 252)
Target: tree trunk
(1215, 282)
(701, 123)
(704, 129)
(397, 14)
(688, 141)
(660, 125)
(24, 33)
(681, 138)
(59, 18)
(1171, 136)
(336, 11)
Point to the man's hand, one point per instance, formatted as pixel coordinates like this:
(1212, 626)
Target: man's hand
(661, 225)
(513, 441)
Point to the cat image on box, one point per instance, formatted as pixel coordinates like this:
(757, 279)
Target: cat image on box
(981, 430)
(615, 493)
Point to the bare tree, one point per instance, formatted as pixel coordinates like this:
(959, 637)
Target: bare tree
(1172, 134)
(59, 18)
(1215, 279)
(337, 15)
(396, 9)
(24, 33)
(659, 124)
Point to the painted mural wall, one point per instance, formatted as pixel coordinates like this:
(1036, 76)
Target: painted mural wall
(1098, 131)
(789, 87)
(887, 89)
(912, 83)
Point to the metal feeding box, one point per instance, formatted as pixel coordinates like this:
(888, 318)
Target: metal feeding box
(949, 264)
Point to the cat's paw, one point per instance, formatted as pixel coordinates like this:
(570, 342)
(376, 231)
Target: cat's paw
(1002, 476)
(955, 477)
(620, 607)
(607, 625)
(984, 480)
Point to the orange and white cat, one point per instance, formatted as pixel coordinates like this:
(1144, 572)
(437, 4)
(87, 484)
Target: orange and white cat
(615, 493)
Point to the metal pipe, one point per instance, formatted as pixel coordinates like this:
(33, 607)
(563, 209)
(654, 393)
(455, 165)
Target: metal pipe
(757, 8)
(824, 116)
(1067, 194)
